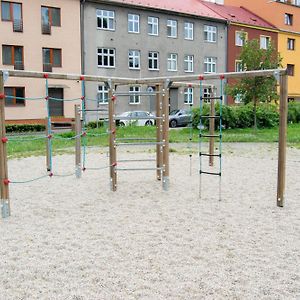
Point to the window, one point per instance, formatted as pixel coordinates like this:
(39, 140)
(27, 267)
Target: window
(51, 58)
(210, 65)
(172, 62)
(207, 94)
(288, 19)
(13, 56)
(240, 38)
(102, 94)
(152, 26)
(105, 19)
(134, 59)
(189, 63)
(239, 66)
(291, 70)
(188, 31)
(264, 42)
(210, 33)
(291, 44)
(188, 95)
(134, 99)
(106, 57)
(133, 23)
(172, 28)
(13, 96)
(50, 17)
(11, 11)
(153, 63)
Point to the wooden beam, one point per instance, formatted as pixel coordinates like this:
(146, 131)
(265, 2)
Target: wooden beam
(4, 188)
(78, 131)
(282, 140)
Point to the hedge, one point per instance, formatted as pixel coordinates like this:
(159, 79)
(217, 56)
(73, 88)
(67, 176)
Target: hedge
(242, 116)
(24, 128)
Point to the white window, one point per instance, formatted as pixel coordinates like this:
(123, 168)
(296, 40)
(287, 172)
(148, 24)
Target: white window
(172, 62)
(210, 33)
(153, 62)
(152, 26)
(106, 57)
(188, 30)
(188, 95)
(172, 28)
(239, 66)
(210, 65)
(240, 38)
(189, 63)
(134, 99)
(264, 41)
(291, 43)
(133, 23)
(102, 94)
(105, 19)
(134, 58)
(288, 19)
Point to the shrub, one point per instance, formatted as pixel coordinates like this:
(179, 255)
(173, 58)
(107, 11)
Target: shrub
(24, 128)
(294, 112)
(93, 124)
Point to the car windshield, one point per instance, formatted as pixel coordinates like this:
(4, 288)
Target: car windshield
(174, 112)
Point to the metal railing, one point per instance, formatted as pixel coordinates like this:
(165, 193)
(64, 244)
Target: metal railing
(47, 67)
(18, 25)
(46, 28)
(19, 65)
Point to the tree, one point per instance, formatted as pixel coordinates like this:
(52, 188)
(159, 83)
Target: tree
(256, 89)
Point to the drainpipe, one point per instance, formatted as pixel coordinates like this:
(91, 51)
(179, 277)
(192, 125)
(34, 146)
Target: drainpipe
(82, 2)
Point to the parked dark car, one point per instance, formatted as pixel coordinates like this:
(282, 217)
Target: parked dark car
(179, 117)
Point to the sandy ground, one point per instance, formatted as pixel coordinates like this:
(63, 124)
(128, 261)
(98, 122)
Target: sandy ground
(75, 239)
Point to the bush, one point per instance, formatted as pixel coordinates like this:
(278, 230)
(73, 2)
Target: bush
(294, 112)
(24, 128)
(93, 125)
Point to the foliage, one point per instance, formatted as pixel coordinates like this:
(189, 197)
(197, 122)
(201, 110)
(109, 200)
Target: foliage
(294, 112)
(24, 128)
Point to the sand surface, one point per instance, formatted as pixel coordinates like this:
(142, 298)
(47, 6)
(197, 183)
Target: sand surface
(75, 239)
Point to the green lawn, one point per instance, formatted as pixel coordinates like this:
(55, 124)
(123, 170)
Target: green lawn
(20, 148)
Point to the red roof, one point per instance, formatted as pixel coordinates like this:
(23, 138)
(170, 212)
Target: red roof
(190, 7)
(238, 15)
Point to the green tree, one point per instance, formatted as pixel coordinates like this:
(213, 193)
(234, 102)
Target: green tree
(256, 89)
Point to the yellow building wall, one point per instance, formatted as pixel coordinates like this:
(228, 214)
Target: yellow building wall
(291, 57)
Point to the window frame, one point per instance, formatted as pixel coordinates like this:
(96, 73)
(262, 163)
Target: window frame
(208, 32)
(153, 25)
(172, 24)
(172, 59)
(209, 62)
(288, 19)
(239, 32)
(290, 69)
(135, 89)
(268, 40)
(12, 63)
(133, 21)
(11, 11)
(107, 19)
(238, 62)
(50, 15)
(187, 30)
(52, 56)
(102, 90)
(188, 62)
(134, 57)
(15, 104)
(153, 59)
(108, 55)
(188, 95)
(293, 43)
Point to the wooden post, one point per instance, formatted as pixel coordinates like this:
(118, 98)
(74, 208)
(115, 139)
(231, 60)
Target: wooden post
(112, 136)
(165, 135)
(78, 130)
(159, 158)
(4, 189)
(211, 132)
(282, 140)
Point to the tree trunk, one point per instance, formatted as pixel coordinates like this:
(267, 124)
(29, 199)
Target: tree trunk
(254, 112)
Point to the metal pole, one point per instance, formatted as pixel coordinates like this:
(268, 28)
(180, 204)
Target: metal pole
(211, 132)
(112, 136)
(159, 157)
(48, 145)
(282, 140)
(78, 130)
(165, 135)
(4, 189)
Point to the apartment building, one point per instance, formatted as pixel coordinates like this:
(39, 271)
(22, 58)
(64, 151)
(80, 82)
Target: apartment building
(40, 35)
(285, 15)
(242, 22)
(148, 39)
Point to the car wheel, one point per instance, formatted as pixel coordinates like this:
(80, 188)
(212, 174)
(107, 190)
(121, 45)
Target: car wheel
(173, 123)
(148, 123)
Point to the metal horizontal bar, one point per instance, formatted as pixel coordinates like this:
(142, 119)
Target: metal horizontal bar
(210, 155)
(140, 144)
(135, 139)
(138, 169)
(136, 94)
(96, 110)
(137, 118)
(211, 98)
(135, 160)
(210, 173)
(210, 135)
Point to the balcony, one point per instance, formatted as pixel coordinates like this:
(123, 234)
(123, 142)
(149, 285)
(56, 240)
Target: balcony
(18, 25)
(47, 67)
(19, 65)
(46, 28)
